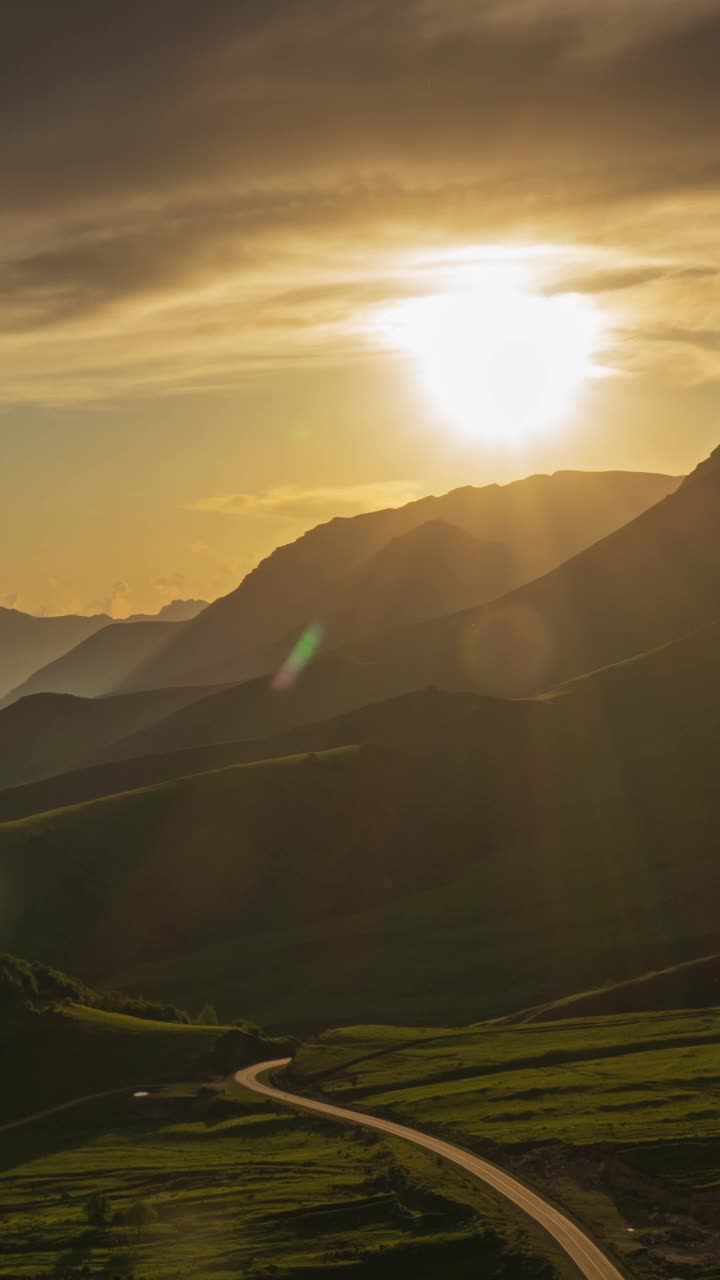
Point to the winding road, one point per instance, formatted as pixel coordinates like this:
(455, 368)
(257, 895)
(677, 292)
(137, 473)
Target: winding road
(590, 1261)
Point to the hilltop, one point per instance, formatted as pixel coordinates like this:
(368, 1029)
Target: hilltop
(538, 522)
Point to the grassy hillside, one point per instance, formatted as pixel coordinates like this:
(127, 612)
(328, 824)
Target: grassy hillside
(614, 1117)
(540, 521)
(239, 1188)
(53, 1057)
(490, 856)
(60, 1040)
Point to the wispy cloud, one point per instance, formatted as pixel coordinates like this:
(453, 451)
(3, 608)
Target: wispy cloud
(252, 195)
(291, 502)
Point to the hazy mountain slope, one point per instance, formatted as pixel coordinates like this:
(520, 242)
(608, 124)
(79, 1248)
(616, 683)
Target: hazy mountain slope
(495, 855)
(435, 569)
(27, 643)
(540, 521)
(50, 733)
(652, 581)
(100, 663)
(399, 722)
(175, 611)
(330, 687)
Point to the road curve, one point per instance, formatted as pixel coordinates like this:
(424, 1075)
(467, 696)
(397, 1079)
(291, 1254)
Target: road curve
(591, 1262)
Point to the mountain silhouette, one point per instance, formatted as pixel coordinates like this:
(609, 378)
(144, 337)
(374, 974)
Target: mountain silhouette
(48, 733)
(652, 581)
(27, 642)
(539, 521)
(100, 663)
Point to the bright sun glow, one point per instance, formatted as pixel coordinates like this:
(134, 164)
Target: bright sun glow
(496, 359)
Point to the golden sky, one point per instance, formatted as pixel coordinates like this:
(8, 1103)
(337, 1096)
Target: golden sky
(208, 206)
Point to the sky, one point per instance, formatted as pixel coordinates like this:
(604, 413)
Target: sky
(215, 214)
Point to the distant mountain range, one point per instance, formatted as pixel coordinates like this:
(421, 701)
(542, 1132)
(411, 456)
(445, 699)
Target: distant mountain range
(654, 580)
(29, 645)
(531, 526)
(473, 801)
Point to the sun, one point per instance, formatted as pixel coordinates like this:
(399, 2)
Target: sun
(496, 359)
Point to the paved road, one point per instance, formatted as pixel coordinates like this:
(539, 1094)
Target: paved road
(591, 1262)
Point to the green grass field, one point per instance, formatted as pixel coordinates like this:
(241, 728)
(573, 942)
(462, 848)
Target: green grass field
(557, 1102)
(260, 1192)
(648, 1077)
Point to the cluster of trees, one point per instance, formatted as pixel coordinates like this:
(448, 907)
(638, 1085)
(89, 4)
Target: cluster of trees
(25, 984)
(137, 1215)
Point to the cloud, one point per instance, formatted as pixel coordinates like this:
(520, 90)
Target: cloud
(196, 193)
(294, 503)
(172, 582)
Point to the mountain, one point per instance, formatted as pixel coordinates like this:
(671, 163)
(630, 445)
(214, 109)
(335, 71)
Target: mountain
(397, 722)
(255, 709)
(99, 664)
(539, 522)
(436, 568)
(652, 581)
(50, 733)
(27, 643)
(474, 856)
(176, 611)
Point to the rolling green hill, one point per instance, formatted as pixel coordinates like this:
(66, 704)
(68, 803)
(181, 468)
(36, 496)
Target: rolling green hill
(477, 856)
(60, 1040)
(614, 1117)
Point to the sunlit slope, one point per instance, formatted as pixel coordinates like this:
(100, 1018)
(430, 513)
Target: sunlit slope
(636, 1078)
(488, 857)
(539, 522)
(648, 583)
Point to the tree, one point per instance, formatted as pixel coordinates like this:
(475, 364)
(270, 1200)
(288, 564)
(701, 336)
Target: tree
(140, 1214)
(98, 1210)
(207, 1016)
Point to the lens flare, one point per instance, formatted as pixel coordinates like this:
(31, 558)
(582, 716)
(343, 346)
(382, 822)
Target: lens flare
(299, 658)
